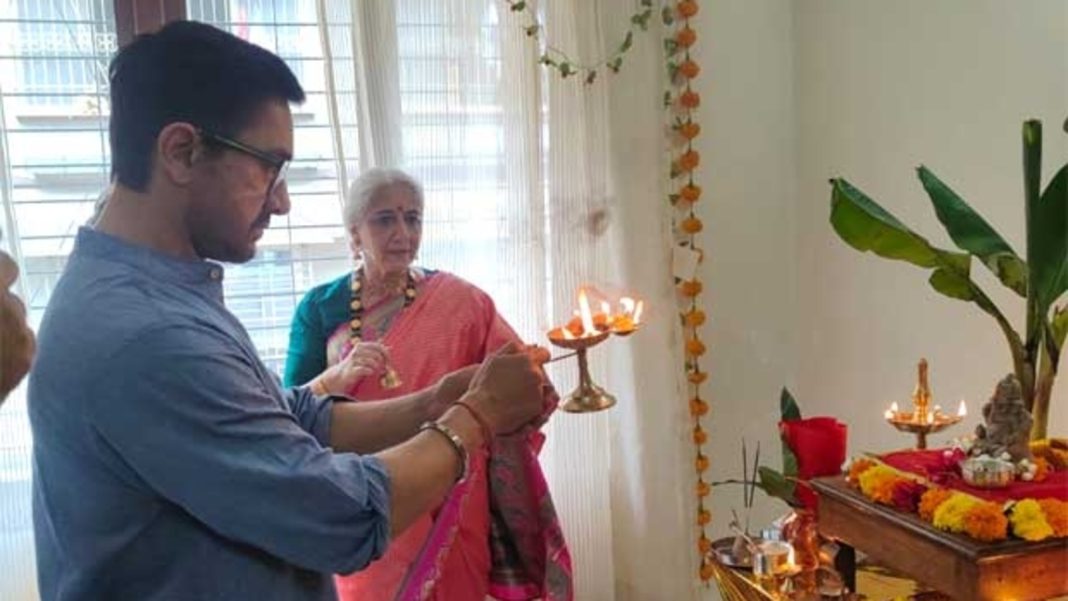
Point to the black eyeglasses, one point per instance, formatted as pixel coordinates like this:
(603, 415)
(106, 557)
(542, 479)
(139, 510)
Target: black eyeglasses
(279, 164)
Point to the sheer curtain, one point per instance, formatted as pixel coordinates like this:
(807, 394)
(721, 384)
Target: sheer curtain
(515, 170)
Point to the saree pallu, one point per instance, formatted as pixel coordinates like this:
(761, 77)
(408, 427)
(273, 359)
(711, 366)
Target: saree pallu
(497, 533)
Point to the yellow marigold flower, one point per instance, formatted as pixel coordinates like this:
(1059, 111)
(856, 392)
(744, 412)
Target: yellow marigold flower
(690, 193)
(1056, 513)
(877, 483)
(690, 99)
(698, 408)
(686, 37)
(691, 225)
(700, 437)
(950, 515)
(687, 8)
(689, 130)
(689, 160)
(857, 468)
(986, 522)
(1029, 522)
(695, 348)
(931, 500)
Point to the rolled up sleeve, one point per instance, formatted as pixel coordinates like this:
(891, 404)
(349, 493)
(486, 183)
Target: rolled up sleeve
(192, 415)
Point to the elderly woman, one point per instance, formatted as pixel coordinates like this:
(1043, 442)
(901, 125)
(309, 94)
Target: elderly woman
(406, 327)
(16, 339)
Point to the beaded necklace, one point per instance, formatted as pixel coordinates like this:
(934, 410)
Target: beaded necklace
(356, 304)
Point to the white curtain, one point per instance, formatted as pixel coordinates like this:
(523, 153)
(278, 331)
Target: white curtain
(528, 197)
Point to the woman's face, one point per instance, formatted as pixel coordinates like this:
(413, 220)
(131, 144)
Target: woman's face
(388, 234)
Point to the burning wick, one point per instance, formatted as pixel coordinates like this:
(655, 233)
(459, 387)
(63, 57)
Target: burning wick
(962, 410)
(892, 411)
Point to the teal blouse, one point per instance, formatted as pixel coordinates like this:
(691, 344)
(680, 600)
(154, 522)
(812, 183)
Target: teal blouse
(319, 313)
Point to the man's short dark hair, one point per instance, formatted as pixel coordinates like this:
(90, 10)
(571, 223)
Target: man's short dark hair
(191, 72)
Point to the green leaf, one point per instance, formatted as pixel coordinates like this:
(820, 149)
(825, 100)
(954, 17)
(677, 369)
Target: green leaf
(789, 461)
(518, 6)
(591, 77)
(1059, 326)
(972, 233)
(788, 409)
(627, 42)
(667, 15)
(952, 284)
(866, 226)
(648, 3)
(565, 69)
(667, 95)
(1048, 244)
(615, 64)
(533, 29)
(777, 485)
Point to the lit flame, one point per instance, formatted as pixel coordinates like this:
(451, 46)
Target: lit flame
(930, 417)
(891, 412)
(638, 312)
(962, 410)
(566, 333)
(628, 305)
(606, 308)
(587, 316)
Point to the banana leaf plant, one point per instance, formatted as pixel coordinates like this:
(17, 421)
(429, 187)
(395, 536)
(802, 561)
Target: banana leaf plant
(1040, 280)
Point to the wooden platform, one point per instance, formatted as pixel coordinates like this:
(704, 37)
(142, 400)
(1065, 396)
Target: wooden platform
(961, 567)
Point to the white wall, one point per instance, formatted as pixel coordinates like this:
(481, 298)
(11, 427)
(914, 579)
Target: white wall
(882, 88)
(797, 92)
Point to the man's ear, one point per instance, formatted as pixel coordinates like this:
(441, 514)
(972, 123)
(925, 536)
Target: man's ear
(177, 149)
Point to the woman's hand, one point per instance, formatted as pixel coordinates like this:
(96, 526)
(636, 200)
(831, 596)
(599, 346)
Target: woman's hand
(449, 389)
(364, 359)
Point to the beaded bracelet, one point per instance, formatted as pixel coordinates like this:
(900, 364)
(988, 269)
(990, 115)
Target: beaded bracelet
(454, 439)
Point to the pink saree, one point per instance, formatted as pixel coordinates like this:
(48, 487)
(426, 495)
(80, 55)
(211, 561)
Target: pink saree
(497, 532)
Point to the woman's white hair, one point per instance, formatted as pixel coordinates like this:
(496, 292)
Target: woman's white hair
(364, 189)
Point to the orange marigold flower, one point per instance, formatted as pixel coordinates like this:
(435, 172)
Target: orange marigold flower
(703, 489)
(691, 225)
(686, 37)
(701, 463)
(695, 348)
(704, 545)
(690, 99)
(857, 468)
(690, 193)
(986, 522)
(704, 517)
(930, 501)
(697, 377)
(690, 287)
(687, 8)
(698, 408)
(1041, 469)
(689, 160)
(695, 318)
(1056, 515)
(878, 484)
(689, 69)
(700, 437)
(708, 571)
(689, 130)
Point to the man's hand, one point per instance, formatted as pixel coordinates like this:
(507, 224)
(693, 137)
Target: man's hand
(507, 389)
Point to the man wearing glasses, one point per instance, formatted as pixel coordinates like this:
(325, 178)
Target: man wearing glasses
(168, 462)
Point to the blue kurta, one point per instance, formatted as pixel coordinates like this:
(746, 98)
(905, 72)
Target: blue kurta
(168, 461)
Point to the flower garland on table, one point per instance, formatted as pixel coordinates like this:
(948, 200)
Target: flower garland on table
(955, 511)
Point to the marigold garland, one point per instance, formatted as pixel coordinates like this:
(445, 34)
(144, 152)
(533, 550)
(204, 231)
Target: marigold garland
(681, 102)
(956, 511)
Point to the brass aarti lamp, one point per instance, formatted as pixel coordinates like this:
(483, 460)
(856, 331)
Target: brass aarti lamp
(923, 419)
(585, 332)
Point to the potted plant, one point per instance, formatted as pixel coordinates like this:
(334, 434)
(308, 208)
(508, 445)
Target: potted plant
(1040, 280)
